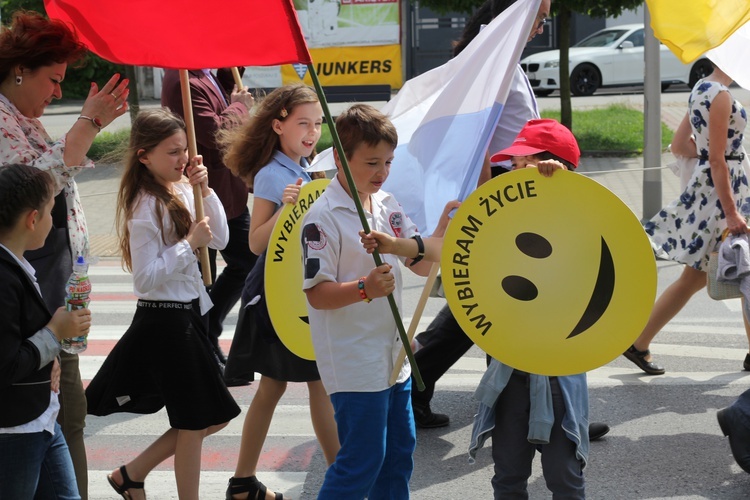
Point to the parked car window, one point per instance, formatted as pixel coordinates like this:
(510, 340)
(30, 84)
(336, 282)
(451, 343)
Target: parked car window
(602, 38)
(637, 38)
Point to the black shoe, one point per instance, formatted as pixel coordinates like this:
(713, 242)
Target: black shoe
(425, 419)
(597, 430)
(236, 382)
(739, 436)
(221, 365)
(218, 352)
(638, 357)
(249, 485)
(746, 364)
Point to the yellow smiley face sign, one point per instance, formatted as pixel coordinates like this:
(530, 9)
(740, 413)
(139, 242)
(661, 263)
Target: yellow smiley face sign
(287, 304)
(549, 275)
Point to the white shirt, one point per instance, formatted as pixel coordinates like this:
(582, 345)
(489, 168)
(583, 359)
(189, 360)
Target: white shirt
(169, 271)
(519, 108)
(355, 346)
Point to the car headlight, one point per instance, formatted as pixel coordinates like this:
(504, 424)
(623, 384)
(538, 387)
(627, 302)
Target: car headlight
(552, 64)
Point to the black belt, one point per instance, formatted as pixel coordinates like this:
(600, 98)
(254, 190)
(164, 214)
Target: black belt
(162, 304)
(738, 157)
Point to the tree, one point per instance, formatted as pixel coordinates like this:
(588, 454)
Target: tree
(563, 9)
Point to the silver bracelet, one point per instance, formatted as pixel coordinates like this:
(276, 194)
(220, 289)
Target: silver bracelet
(96, 122)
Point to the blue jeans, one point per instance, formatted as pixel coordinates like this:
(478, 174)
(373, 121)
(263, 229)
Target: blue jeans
(377, 435)
(36, 465)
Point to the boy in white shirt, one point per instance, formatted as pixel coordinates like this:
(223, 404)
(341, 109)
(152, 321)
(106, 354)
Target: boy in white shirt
(353, 330)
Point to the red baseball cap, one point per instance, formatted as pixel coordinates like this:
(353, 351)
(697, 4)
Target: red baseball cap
(542, 135)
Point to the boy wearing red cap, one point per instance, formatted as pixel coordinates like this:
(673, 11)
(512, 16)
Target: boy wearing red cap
(542, 143)
(523, 411)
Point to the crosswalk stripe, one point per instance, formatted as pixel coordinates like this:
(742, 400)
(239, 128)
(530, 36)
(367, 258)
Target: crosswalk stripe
(291, 431)
(468, 370)
(712, 329)
(101, 331)
(698, 351)
(107, 270)
(734, 305)
(290, 420)
(213, 483)
(608, 376)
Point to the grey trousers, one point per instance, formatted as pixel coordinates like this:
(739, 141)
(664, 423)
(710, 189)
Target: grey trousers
(513, 454)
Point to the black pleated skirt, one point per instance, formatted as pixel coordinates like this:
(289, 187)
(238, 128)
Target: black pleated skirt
(164, 359)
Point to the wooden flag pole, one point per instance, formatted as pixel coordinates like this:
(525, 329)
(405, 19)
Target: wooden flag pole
(363, 219)
(187, 106)
(415, 319)
(237, 77)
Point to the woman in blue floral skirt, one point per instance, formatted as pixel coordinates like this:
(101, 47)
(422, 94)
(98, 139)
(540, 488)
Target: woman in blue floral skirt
(716, 197)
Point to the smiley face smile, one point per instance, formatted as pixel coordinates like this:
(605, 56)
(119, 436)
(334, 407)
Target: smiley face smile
(557, 283)
(537, 246)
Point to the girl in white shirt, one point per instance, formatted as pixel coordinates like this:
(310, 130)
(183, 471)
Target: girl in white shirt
(164, 358)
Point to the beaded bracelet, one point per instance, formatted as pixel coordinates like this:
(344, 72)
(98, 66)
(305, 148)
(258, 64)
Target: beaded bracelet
(361, 288)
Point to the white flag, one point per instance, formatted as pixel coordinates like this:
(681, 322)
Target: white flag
(733, 55)
(446, 117)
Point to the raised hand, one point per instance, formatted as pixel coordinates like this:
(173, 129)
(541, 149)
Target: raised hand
(104, 105)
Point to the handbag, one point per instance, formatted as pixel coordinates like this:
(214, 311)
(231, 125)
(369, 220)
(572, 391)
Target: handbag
(720, 290)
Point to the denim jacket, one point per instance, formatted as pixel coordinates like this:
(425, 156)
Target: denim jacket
(541, 416)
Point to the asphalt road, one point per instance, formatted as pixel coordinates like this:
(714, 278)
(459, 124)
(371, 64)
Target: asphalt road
(665, 442)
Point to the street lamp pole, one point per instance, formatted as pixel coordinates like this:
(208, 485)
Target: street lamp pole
(651, 121)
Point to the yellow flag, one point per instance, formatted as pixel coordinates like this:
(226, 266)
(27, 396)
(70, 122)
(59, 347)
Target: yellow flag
(691, 28)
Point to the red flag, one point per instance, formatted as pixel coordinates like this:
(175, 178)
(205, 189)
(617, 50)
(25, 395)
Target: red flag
(187, 34)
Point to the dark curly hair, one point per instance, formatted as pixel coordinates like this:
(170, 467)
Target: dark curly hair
(33, 41)
(22, 189)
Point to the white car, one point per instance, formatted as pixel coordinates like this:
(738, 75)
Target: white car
(612, 57)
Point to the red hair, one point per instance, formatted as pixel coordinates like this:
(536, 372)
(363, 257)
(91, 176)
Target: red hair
(33, 41)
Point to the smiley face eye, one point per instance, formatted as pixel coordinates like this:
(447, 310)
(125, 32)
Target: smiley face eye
(520, 288)
(534, 245)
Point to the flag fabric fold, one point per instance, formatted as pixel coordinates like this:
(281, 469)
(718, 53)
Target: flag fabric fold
(733, 55)
(187, 34)
(691, 29)
(446, 117)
